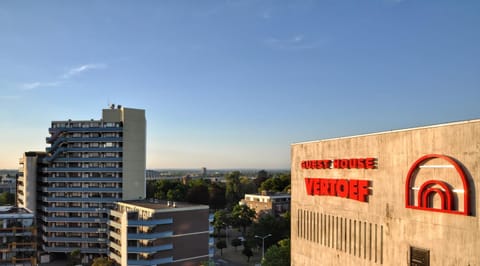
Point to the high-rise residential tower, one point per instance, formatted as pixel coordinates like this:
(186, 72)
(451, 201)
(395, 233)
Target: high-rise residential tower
(89, 165)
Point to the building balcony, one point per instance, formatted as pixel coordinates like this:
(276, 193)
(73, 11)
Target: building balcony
(150, 262)
(73, 209)
(70, 249)
(90, 159)
(75, 219)
(149, 249)
(75, 229)
(82, 169)
(81, 189)
(85, 129)
(114, 224)
(150, 222)
(82, 179)
(79, 199)
(149, 236)
(74, 239)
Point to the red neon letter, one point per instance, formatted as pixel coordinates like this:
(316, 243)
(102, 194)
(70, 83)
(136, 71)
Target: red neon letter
(309, 185)
(362, 190)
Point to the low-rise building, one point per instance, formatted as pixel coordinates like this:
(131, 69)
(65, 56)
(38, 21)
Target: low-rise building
(145, 232)
(275, 203)
(18, 244)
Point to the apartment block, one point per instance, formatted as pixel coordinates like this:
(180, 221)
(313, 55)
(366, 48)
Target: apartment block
(87, 167)
(158, 232)
(18, 244)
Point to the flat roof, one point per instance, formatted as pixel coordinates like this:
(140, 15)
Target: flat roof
(392, 131)
(162, 205)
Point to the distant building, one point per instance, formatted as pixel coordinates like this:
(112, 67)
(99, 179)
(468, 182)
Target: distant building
(272, 203)
(160, 232)
(7, 184)
(18, 245)
(88, 166)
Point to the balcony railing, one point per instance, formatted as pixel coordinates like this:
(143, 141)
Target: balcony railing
(149, 249)
(81, 189)
(149, 236)
(82, 179)
(149, 222)
(82, 170)
(150, 262)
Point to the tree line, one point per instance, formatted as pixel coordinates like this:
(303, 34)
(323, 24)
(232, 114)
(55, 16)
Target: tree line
(217, 194)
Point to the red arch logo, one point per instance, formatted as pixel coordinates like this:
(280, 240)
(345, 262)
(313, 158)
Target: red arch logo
(434, 187)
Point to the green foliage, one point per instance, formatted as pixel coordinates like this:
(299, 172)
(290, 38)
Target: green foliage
(233, 193)
(170, 190)
(216, 193)
(278, 227)
(198, 193)
(221, 244)
(7, 198)
(262, 175)
(278, 183)
(242, 216)
(278, 255)
(102, 261)
(74, 257)
(220, 220)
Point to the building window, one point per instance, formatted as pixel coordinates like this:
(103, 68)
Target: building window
(419, 257)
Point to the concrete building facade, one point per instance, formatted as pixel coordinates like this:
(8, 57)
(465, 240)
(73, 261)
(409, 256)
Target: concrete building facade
(160, 232)
(88, 166)
(404, 197)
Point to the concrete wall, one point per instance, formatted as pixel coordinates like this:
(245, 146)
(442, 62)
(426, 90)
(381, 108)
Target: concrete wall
(134, 149)
(29, 179)
(330, 230)
(134, 153)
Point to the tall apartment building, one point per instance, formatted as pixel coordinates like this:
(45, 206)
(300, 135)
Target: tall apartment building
(160, 232)
(89, 165)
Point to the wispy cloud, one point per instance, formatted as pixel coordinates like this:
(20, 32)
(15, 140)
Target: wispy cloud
(78, 70)
(34, 85)
(296, 42)
(63, 78)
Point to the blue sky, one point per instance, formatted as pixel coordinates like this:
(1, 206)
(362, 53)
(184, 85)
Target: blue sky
(231, 84)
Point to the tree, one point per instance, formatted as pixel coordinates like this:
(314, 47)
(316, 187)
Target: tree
(74, 257)
(7, 198)
(198, 193)
(277, 183)
(262, 175)
(247, 251)
(220, 220)
(221, 244)
(247, 186)
(242, 216)
(266, 224)
(216, 199)
(278, 255)
(102, 261)
(233, 189)
(236, 242)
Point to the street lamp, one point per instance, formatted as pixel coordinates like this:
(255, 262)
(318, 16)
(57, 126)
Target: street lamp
(263, 243)
(226, 232)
